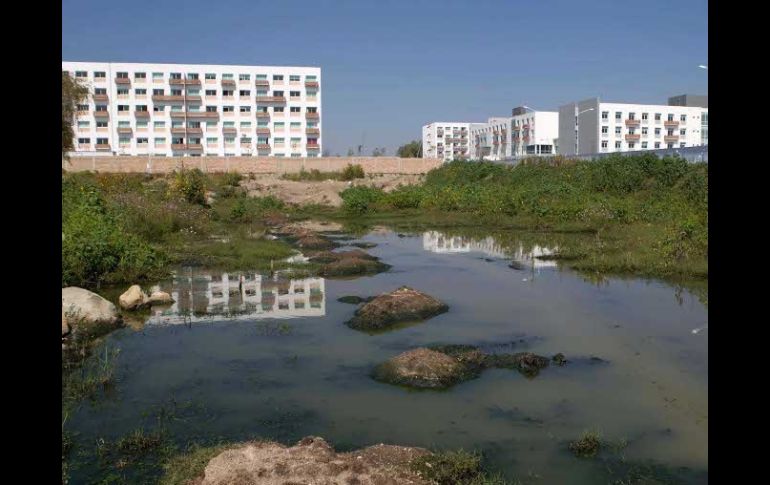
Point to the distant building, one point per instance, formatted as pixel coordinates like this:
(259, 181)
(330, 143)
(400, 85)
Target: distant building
(447, 140)
(526, 132)
(592, 126)
(693, 100)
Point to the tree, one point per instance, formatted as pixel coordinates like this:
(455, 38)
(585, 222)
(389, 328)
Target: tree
(379, 152)
(351, 152)
(73, 92)
(413, 149)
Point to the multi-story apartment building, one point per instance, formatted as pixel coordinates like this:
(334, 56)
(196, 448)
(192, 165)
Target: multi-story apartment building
(592, 126)
(193, 110)
(446, 140)
(527, 132)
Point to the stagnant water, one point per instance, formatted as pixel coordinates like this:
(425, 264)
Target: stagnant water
(237, 358)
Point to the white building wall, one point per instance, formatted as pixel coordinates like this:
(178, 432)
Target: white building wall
(212, 128)
(448, 140)
(533, 133)
(609, 127)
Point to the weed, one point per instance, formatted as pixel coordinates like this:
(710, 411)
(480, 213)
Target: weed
(588, 445)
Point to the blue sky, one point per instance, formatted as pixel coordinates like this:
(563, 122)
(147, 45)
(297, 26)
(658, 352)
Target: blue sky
(388, 67)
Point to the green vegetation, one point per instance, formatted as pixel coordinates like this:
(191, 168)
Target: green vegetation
(413, 149)
(350, 172)
(189, 465)
(588, 445)
(73, 92)
(455, 468)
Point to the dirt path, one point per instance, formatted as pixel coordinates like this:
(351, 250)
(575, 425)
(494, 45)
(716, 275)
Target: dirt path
(325, 192)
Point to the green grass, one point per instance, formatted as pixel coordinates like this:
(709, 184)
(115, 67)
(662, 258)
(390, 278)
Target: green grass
(458, 467)
(190, 464)
(350, 172)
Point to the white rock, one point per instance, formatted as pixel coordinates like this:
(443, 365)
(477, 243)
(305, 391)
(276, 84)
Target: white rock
(81, 305)
(133, 299)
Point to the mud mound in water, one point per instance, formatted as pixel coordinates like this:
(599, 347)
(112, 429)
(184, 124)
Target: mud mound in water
(312, 460)
(443, 366)
(348, 263)
(402, 305)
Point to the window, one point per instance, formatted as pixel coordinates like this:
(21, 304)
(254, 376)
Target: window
(682, 145)
(245, 125)
(312, 110)
(682, 132)
(225, 109)
(278, 109)
(141, 141)
(261, 77)
(604, 143)
(657, 144)
(228, 77)
(293, 78)
(631, 116)
(670, 132)
(245, 109)
(124, 140)
(83, 124)
(157, 75)
(618, 115)
(122, 108)
(279, 125)
(645, 116)
(122, 92)
(140, 75)
(142, 124)
(229, 139)
(617, 145)
(81, 74)
(263, 124)
(244, 92)
(157, 92)
(101, 141)
(657, 131)
(192, 75)
(210, 75)
(295, 109)
(296, 155)
(657, 116)
(212, 109)
(644, 145)
(158, 109)
(246, 140)
(670, 117)
(294, 94)
(84, 107)
(278, 140)
(605, 130)
(605, 115)
(211, 92)
(84, 141)
(244, 77)
(159, 124)
(631, 145)
(277, 77)
(176, 92)
(670, 145)
(140, 92)
(176, 108)
(211, 140)
(632, 131)
(193, 92)
(141, 107)
(100, 74)
(617, 130)
(278, 94)
(261, 92)
(227, 92)
(176, 75)
(160, 141)
(295, 124)
(262, 140)
(644, 131)
(124, 124)
(228, 124)
(310, 78)
(683, 118)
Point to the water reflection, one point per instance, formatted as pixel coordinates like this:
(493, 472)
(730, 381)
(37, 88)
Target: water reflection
(523, 258)
(202, 296)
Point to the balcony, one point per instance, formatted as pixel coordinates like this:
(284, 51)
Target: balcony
(102, 146)
(178, 131)
(229, 131)
(228, 82)
(263, 114)
(633, 137)
(179, 146)
(312, 131)
(101, 114)
(263, 146)
(103, 98)
(195, 114)
(311, 84)
(194, 99)
(271, 99)
(194, 131)
(671, 124)
(313, 146)
(125, 130)
(312, 116)
(631, 122)
(671, 138)
(263, 131)
(122, 81)
(245, 146)
(160, 98)
(195, 146)
(142, 114)
(185, 82)
(262, 82)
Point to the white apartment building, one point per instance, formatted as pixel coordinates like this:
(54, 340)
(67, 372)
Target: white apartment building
(527, 132)
(592, 126)
(194, 110)
(446, 140)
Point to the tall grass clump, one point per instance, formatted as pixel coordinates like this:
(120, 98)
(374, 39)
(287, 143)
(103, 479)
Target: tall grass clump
(190, 185)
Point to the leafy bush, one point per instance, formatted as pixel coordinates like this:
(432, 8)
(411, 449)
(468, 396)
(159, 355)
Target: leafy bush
(359, 200)
(232, 178)
(190, 185)
(353, 172)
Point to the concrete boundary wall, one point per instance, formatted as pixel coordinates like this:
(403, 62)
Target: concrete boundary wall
(267, 165)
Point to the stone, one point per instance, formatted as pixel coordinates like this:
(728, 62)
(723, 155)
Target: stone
(160, 298)
(402, 305)
(65, 328)
(133, 299)
(422, 368)
(83, 306)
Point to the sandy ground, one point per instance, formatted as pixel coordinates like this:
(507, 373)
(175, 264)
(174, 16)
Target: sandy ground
(325, 192)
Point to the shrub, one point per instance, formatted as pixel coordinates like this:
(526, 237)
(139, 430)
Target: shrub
(190, 185)
(452, 468)
(232, 178)
(359, 200)
(353, 172)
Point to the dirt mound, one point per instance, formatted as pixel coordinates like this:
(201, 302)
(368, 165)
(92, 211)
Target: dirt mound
(312, 460)
(348, 263)
(440, 367)
(402, 305)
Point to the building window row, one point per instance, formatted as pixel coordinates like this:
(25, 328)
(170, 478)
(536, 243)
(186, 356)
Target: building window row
(142, 75)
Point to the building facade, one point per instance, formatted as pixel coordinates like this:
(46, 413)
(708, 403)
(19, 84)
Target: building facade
(592, 126)
(527, 132)
(194, 110)
(446, 140)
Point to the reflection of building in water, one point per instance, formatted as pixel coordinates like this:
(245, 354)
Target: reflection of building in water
(240, 296)
(439, 243)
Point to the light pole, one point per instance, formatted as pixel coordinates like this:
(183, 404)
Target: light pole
(577, 129)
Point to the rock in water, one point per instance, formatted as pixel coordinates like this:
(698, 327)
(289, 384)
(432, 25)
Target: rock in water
(65, 328)
(160, 298)
(133, 299)
(420, 368)
(403, 305)
(83, 306)
(312, 460)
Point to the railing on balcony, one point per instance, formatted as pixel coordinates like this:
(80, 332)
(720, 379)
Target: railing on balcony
(101, 98)
(262, 82)
(630, 122)
(633, 137)
(312, 131)
(101, 114)
(125, 130)
(270, 99)
(671, 123)
(263, 131)
(263, 114)
(311, 84)
(671, 138)
(229, 131)
(194, 131)
(102, 146)
(142, 114)
(122, 80)
(185, 82)
(312, 116)
(313, 146)
(195, 146)
(178, 131)
(228, 82)
(195, 114)
(179, 146)
(160, 98)
(263, 146)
